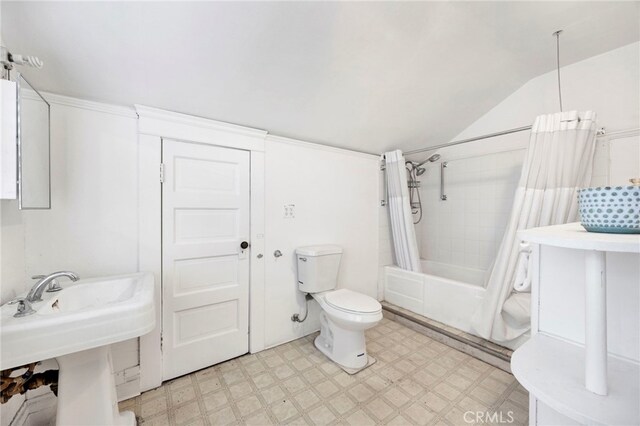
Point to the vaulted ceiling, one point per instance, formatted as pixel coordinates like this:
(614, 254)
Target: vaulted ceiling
(364, 76)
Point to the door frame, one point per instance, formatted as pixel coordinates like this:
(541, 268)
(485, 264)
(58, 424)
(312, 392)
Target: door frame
(153, 126)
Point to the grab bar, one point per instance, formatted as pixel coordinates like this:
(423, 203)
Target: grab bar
(443, 166)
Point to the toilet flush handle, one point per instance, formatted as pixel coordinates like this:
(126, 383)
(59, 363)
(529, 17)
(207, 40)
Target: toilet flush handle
(277, 253)
(304, 259)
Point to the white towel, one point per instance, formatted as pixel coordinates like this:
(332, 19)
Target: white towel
(522, 282)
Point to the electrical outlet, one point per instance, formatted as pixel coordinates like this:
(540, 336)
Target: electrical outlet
(289, 211)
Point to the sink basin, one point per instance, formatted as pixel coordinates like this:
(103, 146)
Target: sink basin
(93, 295)
(76, 326)
(84, 315)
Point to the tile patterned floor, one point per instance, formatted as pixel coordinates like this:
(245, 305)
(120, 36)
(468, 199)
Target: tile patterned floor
(467, 336)
(416, 381)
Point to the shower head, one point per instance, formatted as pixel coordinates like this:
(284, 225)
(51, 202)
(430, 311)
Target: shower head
(420, 171)
(434, 157)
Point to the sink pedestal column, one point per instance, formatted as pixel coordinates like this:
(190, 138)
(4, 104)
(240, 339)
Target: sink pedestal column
(87, 390)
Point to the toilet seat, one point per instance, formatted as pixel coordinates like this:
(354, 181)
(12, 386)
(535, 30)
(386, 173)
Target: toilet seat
(352, 302)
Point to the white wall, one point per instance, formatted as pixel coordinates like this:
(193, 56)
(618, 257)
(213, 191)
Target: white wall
(335, 193)
(92, 227)
(386, 255)
(608, 84)
(481, 177)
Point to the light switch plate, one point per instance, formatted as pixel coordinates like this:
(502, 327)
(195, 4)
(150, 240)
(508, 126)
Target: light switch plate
(289, 211)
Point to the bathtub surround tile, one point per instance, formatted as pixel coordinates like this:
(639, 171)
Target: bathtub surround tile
(424, 382)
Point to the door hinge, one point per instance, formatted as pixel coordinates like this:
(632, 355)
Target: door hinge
(161, 172)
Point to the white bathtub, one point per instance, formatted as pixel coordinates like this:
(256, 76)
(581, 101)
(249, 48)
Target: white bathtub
(446, 293)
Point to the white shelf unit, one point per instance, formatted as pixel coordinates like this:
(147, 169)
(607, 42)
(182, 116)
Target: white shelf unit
(573, 235)
(553, 370)
(583, 383)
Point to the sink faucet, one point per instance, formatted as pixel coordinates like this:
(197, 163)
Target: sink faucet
(35, 294)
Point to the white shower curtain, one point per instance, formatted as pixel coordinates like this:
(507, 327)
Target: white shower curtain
(402, 228)
(558, 161)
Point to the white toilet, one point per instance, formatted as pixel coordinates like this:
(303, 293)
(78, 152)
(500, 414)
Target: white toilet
(345, 314)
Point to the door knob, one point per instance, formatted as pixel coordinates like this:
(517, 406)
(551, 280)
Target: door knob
(244, 245)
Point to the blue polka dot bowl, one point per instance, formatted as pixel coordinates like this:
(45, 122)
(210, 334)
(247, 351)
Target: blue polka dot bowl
(610, 209)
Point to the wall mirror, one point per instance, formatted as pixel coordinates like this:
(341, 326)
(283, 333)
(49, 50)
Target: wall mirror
(34, 179)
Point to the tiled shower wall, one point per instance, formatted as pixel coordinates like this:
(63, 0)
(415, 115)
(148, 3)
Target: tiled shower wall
(467, 229)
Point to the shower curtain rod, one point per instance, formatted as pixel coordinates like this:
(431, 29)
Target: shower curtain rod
(477, 138)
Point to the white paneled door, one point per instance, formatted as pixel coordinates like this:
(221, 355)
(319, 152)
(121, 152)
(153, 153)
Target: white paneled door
(205, 225)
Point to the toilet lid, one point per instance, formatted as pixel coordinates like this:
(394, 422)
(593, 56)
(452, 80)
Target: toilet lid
(351, 301)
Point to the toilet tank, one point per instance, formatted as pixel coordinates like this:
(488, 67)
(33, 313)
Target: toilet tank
(318, 267)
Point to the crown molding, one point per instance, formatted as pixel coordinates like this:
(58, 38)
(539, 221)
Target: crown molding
(145, 112)
(321, 147)
(120, 110)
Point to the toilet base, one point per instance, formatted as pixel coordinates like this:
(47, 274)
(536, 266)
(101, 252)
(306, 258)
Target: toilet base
(346, 348)
(322, 347)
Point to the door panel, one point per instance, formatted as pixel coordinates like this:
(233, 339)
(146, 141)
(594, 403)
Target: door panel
(205, 217)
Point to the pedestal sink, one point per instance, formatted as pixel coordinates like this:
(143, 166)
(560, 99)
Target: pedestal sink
(76, 326)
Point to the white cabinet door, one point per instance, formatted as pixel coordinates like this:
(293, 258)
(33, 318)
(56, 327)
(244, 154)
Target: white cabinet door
(205, 219)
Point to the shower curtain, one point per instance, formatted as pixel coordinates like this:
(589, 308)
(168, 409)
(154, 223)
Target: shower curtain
(402, 228)
(558, 161)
